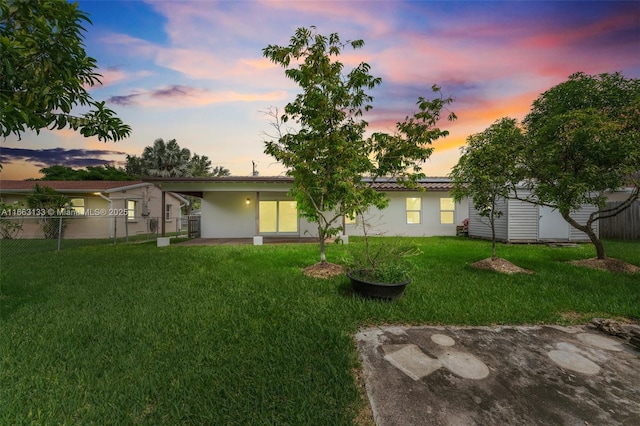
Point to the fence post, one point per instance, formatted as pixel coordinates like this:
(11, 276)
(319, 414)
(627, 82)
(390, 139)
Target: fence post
(59, 231)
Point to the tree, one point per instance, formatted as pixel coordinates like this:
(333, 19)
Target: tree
(161, 160)
(220, 171)
(134, 166)
(48, 200)
(487, 171)
(328, 156)
(169, 160)
(44, 72)
(10, 227)
(200, 166)
(105, 172)
(583, 138)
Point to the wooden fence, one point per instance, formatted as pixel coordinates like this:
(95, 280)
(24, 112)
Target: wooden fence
(624, 226)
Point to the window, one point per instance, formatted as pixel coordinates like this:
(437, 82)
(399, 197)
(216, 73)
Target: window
(414, 210)
(278, 216)
(348, 220)
(76, 205)
(167, 212)
(447, 210)
(132, 210)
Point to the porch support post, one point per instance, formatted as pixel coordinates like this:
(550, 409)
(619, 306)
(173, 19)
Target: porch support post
(162, 213)
(257, 214)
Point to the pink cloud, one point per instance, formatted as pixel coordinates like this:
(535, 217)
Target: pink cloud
(558, 37)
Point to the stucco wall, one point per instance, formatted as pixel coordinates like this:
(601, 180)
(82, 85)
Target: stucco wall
(226, 215)
(103, 218)
(392, 220)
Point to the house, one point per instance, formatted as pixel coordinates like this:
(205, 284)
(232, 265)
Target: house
(98, 209)
(525, 222)
(244, 207)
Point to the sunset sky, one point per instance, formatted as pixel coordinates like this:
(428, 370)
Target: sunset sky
(194, 71)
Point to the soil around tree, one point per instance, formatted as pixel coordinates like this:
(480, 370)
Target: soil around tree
(500, 265)
(324, 270)
(609, 264)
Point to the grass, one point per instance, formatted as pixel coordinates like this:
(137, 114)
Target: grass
(135, 334)
(10, 248)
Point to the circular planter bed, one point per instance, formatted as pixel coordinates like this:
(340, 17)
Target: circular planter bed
(374, 290)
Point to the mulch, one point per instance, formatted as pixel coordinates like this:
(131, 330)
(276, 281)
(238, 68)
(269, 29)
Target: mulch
(323, 270)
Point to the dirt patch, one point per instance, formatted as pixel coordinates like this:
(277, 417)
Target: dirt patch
(608, 264)
(500, 265)
(323, 270)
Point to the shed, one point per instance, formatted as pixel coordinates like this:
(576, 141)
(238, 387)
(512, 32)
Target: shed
(524, 222)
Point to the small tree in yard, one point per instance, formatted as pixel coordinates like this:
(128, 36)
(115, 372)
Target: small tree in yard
(47, 200)
(583, 138)
(9, 227)
(328, 156)
(487, 171)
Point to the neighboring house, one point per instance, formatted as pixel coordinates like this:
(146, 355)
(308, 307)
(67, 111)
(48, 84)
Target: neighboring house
(242, 207)
(523, 222)
(101, 209)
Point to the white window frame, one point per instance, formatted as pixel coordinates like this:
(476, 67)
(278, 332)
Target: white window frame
(167, 212)
(350, 221)
(446, 211)
(79, 209)
(132, 213)
(409, 211)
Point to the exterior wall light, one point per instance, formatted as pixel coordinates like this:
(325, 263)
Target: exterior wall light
(247, 201)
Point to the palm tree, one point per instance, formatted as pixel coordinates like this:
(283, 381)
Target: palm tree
(200, 165)
(166, 159)
(220, 171)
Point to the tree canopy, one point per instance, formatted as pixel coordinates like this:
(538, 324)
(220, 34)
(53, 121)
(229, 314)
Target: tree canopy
(105, 172)
(583, 139)
(44, 72)
(328, 155)
(487, 170)
(168, 159)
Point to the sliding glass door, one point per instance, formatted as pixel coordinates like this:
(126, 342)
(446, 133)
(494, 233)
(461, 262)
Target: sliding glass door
(278, 217)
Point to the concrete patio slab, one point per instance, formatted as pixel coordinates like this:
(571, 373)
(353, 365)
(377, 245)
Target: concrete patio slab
(536, 375)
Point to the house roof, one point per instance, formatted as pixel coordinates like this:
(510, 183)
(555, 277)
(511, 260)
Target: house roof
(71, 185)
(382, 184)
(429, 184)
(223, 179)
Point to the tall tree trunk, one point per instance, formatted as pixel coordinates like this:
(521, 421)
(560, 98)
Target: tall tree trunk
(322, 236)
(597, 243)
(492, 219)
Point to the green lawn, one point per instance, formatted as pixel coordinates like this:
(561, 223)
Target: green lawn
(135, 334)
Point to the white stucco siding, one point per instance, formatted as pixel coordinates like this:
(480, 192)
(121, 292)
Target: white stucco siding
(393, 219)
(227, 215)
(480, 226)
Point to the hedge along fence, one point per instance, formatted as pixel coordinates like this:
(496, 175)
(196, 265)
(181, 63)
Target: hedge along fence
(624, 226)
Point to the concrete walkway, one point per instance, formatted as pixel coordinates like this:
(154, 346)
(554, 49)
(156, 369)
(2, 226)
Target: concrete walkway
(228, 241)
(548, 375)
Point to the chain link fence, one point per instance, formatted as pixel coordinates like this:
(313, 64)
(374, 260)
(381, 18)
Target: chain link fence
(20, 235)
